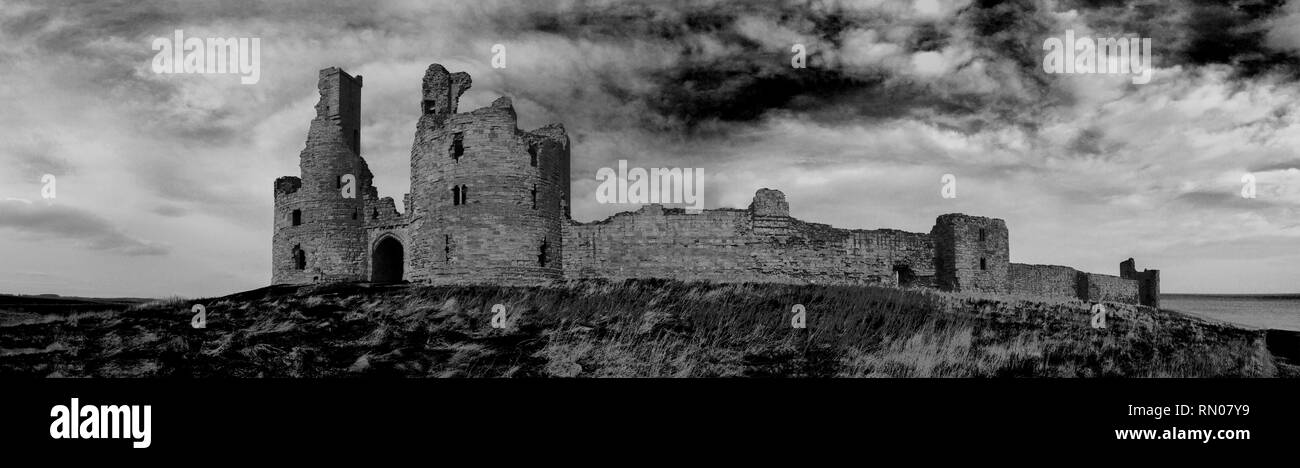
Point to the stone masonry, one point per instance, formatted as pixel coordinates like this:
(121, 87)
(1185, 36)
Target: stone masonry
(489, 203)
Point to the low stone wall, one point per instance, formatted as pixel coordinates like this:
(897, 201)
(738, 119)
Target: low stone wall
(1044, 280)
(1098, 288)
(733, 245)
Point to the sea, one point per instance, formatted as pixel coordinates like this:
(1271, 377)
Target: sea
(1276, 311)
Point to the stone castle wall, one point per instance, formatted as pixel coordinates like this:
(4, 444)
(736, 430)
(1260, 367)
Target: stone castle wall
(1148, 282)
(1044, 280)
(1061, 281)
(1095, 287)
(489, 203)
(760, 244)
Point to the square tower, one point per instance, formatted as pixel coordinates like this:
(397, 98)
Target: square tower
(341, 103)
(971, 253)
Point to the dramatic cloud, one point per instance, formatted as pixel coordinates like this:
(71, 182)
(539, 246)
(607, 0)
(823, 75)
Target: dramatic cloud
(60, 222)
(1086, 169)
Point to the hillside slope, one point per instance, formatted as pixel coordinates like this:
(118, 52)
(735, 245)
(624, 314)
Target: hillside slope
(629, 329)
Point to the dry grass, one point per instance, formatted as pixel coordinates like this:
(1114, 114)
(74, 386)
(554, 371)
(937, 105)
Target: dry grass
(632, 329)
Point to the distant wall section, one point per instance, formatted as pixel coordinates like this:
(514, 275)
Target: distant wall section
(1044, 280)
(759, 244)
(1066, 282)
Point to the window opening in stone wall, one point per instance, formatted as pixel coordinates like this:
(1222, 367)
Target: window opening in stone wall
(981, 234)
(541, 256)
(297, 217)
(464, 194)
(983, 265)
(299, 258)
(455, 195)
(458, 146)
(446, 250)
(534, 197)
(532, 155)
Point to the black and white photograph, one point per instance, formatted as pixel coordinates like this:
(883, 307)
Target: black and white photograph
(1097, 200)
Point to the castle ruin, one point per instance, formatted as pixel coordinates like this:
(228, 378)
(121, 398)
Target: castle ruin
(489, 203)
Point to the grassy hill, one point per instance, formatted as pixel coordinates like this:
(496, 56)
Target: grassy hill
(626, 329)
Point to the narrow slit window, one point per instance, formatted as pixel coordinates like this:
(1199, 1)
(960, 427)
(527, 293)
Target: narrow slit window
(458, 145)
(299, 258)
(983, 264)
(982, 234)
(534, 197)
(446, 250)
(455, 195)
(464, 194)
(532, 155)
(541, 254)
(297, 217)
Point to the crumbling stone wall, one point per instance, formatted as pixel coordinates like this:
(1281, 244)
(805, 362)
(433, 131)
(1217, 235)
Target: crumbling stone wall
(759, 244)
(1148, 282)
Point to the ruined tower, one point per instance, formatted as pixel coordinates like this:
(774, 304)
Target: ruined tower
(971, 253)
(769, 213)
(1148, 282)
(491, 196)
(318, 232)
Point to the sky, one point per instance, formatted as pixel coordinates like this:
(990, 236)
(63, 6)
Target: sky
(164, 181)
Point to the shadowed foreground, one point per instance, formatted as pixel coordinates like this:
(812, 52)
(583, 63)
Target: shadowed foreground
(631, 329)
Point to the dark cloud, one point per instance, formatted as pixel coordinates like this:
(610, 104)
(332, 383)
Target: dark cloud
(1277, 166)
(36, 156)
(170, 211)
(181, 187)
(1251, 247)
(751, 77)
(1204, 199)
(1197, 32)
(53, 221)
